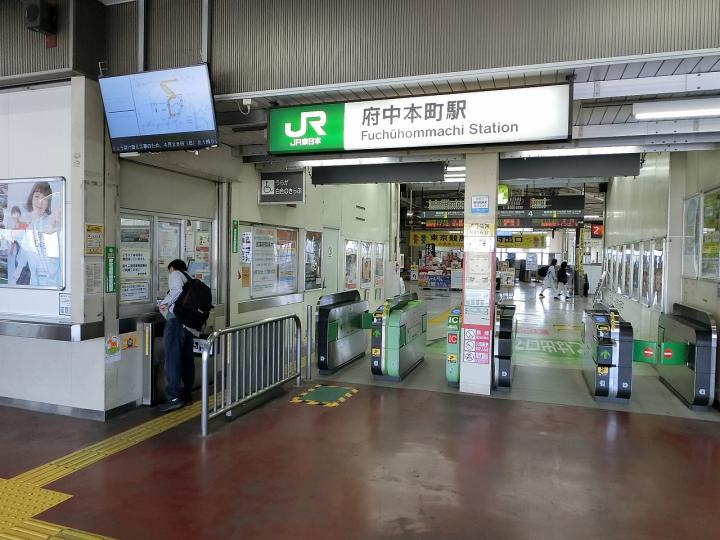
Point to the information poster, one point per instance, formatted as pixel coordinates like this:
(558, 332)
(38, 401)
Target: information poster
(198, 258)
(710, 263)
(531, 262)
(351, 264)
(134, 263)
(246, 250)
(168, 250)
(365, 265)
(94, 240)
(691, 237)
(274, 261)
(94, 276)
(264, 266)
(135, 291)
(379, 265)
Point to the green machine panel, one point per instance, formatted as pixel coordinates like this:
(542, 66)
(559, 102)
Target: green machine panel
(452, 349)
(398, 337)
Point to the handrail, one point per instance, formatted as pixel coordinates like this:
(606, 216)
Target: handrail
(253, 359)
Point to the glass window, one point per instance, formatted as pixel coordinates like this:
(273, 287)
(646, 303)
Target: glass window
(691, 236)
(32, 233)
(647, 272)
(313, 260)
(365, 265)
(274, 261)
(635, 271)
(618, 276)
(658, 267)
(135, 259)
(351, 264)
(198, 252)
(168, 249)
(379, 265)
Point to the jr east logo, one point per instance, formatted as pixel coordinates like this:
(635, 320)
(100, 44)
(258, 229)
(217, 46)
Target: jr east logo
(308, 119)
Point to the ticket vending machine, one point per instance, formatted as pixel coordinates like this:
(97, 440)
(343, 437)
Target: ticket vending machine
(398, 335)
(607, 354)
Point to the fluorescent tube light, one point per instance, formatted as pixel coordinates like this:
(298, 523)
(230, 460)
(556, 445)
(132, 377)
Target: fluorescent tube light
(683, 108)
(458, 168)
(553, 152)
(346, 161)
(592, 217)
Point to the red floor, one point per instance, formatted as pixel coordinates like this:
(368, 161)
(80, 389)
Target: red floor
(402, 463)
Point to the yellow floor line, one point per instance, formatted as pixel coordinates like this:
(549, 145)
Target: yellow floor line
(24, 497)
(437, 319)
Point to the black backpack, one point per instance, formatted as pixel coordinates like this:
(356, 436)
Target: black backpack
(542, 272)
(193, 306)
(562, 275)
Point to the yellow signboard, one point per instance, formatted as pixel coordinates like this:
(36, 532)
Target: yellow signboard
(522, 241)
(440, 239)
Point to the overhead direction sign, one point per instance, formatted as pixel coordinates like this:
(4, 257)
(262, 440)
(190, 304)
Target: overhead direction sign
(470, 118)
(282, 188)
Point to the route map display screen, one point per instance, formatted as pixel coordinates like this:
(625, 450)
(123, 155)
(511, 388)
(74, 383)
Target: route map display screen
(157, 111)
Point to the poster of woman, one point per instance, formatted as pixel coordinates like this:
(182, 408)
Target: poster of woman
(32, 232)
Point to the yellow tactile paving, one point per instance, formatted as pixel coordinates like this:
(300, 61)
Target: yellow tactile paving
(440, 318)
(23, 497)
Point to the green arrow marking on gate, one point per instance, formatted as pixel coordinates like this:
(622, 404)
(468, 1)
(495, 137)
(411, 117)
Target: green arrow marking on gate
(376, 333)
(604, 355)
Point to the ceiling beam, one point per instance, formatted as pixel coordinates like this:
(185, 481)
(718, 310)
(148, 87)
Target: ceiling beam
(645, 129)
(645, 86)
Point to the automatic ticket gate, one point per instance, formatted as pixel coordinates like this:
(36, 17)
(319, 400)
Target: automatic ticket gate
(607, 354)
(693, 381)
(504, 326)
(452, 349)
(341, 338)
(398, 335)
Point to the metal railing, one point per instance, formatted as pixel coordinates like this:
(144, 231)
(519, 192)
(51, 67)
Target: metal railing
(248, 361)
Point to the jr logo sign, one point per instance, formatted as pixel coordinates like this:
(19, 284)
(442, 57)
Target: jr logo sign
(309, 128)
(316, 120)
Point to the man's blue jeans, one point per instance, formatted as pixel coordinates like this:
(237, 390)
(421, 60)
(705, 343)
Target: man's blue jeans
(179, 361)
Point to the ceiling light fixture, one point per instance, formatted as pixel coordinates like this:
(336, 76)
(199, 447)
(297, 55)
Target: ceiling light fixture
(555, 152)
(669, 110)
(593, 216)
(454, 168)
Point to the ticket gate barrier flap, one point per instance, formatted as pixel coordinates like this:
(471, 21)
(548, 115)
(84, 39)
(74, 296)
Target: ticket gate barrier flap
(398, 337)
(607, 355)
(341, 338)
(452, 349)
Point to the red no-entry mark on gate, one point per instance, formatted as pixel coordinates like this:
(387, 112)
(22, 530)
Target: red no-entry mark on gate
(648, 352)
(667, 354)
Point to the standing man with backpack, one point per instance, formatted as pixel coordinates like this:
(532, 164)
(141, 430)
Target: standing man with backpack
(562, 277)
(186, 308)
(550, 279)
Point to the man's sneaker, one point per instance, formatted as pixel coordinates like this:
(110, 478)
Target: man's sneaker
(171, 405)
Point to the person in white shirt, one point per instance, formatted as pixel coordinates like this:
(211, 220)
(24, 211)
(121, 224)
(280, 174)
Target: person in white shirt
(179, 357)
(550, 281)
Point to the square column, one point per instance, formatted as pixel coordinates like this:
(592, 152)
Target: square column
(481, 179)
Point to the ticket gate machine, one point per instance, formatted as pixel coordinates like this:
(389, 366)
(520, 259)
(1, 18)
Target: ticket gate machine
(607, 354)
(452, 349)
(398, 335)
(341, 338)
(694, 380)
(504, 326)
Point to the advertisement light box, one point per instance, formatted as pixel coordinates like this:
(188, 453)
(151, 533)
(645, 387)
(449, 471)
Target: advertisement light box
(471, 118)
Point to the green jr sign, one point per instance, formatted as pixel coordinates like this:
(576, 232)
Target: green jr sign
(309, 128)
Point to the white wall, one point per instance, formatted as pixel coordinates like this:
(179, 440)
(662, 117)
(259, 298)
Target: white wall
(637, 210)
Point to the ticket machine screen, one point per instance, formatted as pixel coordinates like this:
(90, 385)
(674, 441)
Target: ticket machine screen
(600, 319)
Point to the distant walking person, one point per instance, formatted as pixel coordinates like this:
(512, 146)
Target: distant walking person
(562, 278)
(550, 280)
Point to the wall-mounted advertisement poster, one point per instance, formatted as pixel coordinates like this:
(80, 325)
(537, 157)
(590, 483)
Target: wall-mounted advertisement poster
(32, 233)
(365, 265)
(710, 262)
(379, 265)
(691, 237)
(351, 264)
(287, 262)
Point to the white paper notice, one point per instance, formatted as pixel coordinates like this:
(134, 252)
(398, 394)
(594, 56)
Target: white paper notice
(64, 304)
(135, 291)
(264, 261)
(134, 263)
(478, 270)
(93, 277)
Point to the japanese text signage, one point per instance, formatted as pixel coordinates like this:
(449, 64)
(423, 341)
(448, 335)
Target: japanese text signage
(440, 239)
(569, 206)
(522, 241)
(499, 116)
(281, 188)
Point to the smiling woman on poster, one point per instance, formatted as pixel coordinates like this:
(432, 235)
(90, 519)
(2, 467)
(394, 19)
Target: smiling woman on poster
(40, 243)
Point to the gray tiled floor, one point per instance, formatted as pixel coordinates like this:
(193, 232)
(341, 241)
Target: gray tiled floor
(543, 381)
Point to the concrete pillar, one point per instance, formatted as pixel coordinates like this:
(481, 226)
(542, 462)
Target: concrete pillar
(479, 273)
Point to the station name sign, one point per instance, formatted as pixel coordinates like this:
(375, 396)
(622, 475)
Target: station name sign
(471, 118)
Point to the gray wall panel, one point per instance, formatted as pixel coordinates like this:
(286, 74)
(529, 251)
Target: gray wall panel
(121, 23)
(264, 44)
(173, 33)
(24, 51)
